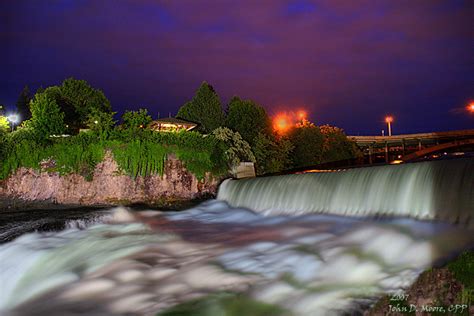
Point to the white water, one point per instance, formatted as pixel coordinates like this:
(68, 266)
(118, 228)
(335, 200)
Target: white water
(426, 190)
(37, 262)
(310, 264)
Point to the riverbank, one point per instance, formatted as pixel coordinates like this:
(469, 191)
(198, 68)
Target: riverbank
(442, 290)
(109, 186)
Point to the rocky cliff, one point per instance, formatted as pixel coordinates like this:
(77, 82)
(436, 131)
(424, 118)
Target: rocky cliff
(108, 186)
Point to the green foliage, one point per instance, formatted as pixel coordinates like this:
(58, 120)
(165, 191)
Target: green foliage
(204, 109)
(272, 155)
(136, 156)
(136, 119)
(23, 104)
(336, 145)
(146, 154)
(70, 115)
(46, 117)
(224, 304)
(463, 269)
(78, 100)
(4, 124)
(79, 154)
(308, 144)
(237, 149)
(247, 118)
(84, 99)
(140, 158)
(101, 122)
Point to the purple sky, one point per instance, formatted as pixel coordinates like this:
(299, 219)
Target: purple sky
(347, 62)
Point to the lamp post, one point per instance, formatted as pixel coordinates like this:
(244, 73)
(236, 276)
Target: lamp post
(13, 119)
(389, 120)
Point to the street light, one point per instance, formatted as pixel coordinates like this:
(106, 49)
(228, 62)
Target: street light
(389, 120)
(470, 107)
(13, 119)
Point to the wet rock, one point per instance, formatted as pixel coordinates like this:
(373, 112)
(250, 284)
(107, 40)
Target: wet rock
(109, 186)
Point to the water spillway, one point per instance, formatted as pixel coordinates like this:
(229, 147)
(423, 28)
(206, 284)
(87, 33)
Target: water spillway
(426, 190)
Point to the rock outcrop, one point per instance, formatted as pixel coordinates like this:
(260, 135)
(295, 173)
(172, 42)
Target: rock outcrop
(109, 186)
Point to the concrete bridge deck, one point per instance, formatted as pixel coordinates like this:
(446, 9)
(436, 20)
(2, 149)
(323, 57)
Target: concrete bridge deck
(412, 146)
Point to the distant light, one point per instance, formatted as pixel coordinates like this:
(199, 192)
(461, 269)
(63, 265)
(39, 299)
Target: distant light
(281, 123)
(96, 122)
(301, 115)
(14, 118)
(389, 119)
(396, 162)
(470, 107)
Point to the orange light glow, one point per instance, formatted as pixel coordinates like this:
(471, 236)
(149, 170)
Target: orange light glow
(301, 115)
(281, 123)
(389, 119)
(470, 107)
(284, 121)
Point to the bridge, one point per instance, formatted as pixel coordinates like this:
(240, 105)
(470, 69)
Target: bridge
(407, 147)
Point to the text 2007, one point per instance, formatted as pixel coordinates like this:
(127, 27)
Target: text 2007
(399, 297)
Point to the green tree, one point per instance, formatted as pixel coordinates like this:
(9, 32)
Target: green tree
(77, 100)
(237, 148)
(84, 98)
(23, 104)
(247, 118)
(336, 145)
(136, 119)
(272, 154)
(2, 109)
(204, 108)
(70, 115)
(46, 116)
(308, 144)
(101, 122)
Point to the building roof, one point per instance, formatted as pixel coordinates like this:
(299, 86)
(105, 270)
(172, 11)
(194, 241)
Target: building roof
(173, 120)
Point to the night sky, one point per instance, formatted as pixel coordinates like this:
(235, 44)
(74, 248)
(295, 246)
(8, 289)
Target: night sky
(348, 63)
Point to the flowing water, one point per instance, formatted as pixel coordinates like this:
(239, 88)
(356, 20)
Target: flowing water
(426, 190)
(308, 243)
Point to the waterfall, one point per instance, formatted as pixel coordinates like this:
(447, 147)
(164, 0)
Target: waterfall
(442, 190)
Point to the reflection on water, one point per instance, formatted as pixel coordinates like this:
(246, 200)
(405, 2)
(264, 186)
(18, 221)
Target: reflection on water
(146, 262)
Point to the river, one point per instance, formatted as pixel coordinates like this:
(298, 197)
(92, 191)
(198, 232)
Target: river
(309, 244)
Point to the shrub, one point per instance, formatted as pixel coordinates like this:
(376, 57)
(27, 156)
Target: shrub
(237, 149)
(139, 156)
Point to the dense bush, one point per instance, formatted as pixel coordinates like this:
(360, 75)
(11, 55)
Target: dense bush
(308, 145)
(4, 124)
(336, 145)
(237, 149)
(78, 154)
(463, 269)
(77, 100)
(136, 156)
(46, 116)
(272, 154)
(248, 118)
